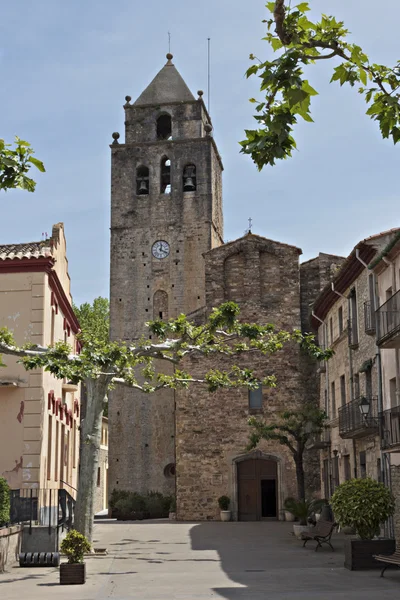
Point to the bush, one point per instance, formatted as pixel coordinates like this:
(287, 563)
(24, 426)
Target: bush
(224, 502)
(131, 505)
(75, 546)
(4, 502)
(172, 506)
(363, 504)
(303, 509)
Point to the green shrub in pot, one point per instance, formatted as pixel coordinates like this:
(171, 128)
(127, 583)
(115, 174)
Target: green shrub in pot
(224, 502)
(363, 504)
(303, 509)
(75, 546)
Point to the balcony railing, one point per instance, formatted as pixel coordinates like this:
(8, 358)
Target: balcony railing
(390, 422)
(389, 322)
(369, 319)
(352, 330)
(353, 424)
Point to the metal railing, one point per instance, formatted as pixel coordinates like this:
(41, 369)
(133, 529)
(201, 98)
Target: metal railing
(353, 424)
(388, 316)
(352, 331)
(369, 319)
(46, 507)
(390, 423)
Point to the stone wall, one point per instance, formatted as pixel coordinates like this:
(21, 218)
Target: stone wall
(212, 430)
(359, 381)
(10, 544)
(142, 426)
(395, 480)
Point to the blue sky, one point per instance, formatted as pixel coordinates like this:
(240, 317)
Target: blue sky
(66, 68)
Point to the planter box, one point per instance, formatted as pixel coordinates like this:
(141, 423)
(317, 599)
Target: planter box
(72, 574)
(358, 554)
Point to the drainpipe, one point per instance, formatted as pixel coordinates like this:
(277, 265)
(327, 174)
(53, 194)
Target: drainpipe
(325, 343)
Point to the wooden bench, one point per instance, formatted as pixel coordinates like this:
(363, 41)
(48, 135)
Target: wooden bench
(321, 534)
(389, 560)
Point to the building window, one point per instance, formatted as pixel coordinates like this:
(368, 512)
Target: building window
(255, 399)
(353, 324)
(189, 178)
(74, 448)
(346, 467)
(331, 329)
(56, 451)
(340, 320)
(142, 181)
(164, 127)
(392, 392)
(326, 478)
(98, 476)
(335, 472)
(379, 471)
(368, 383)
(333, 399)
(356, 385)
(165, 176)
(160, 305)
(363, 465)
(343, 389)
(53, 318)
(326, 402)
(49, 446)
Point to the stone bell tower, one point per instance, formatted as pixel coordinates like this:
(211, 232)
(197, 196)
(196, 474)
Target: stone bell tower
(166, 212)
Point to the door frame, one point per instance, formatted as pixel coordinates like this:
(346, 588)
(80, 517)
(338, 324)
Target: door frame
(258, 455)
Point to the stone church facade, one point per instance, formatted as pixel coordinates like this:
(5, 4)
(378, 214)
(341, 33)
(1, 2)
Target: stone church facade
(168, 257)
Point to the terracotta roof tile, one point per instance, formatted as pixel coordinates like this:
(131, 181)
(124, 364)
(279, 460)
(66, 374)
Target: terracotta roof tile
(28, 250)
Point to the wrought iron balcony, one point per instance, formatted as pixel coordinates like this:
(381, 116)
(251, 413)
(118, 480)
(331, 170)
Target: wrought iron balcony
(390, 422)
(353, 424)
(388, 317)
(352, 330)
(369, 319)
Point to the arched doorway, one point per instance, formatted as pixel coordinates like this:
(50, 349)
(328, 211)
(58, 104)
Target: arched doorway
(257, 481)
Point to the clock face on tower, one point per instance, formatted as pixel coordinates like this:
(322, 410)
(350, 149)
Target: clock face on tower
(160, 249)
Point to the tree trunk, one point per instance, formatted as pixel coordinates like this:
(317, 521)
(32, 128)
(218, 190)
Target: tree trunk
(96, 390)
(301, 489)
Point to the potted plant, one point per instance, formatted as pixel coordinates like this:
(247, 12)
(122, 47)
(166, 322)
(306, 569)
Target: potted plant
(302, 510)
(172, 509)
(364, 504)
(289, 516)
(74, 546)
(224, 502)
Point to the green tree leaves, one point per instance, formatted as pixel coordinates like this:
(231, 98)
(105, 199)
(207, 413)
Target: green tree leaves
(15, 163)
(287, 94)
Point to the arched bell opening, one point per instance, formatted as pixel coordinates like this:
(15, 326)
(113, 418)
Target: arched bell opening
(142, 181)
(164, 127)
(189, 178)
(165, 176)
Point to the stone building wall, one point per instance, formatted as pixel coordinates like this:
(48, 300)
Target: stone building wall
(350, 362)
(211, 429)
(395, 481)
(142, 426)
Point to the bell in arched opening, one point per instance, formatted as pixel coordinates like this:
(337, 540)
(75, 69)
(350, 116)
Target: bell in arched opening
(142, 181)
(189, 178)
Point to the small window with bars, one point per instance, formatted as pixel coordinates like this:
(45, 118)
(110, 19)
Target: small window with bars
(255, 399)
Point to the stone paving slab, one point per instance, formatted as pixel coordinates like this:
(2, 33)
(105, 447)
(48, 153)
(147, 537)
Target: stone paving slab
(161, 560)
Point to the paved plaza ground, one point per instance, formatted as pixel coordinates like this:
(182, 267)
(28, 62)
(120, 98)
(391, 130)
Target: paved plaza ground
(161, 560)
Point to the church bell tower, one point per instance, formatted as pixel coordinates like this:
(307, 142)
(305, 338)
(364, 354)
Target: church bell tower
(166, 212)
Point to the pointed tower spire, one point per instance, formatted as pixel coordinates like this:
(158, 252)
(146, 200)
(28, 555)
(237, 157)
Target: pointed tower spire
(167, 86)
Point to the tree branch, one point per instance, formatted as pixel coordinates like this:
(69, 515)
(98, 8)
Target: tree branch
(279, 16)
(14, 351)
